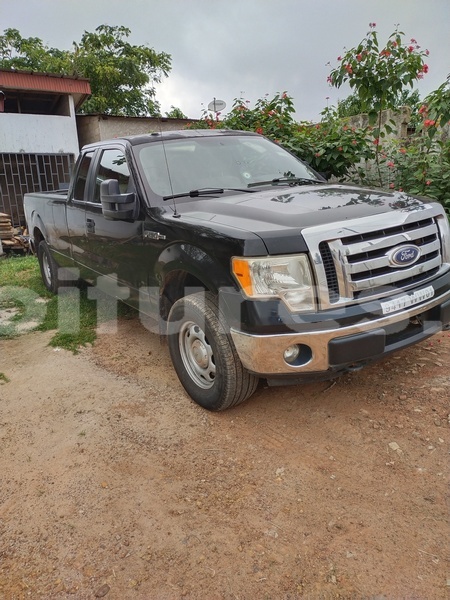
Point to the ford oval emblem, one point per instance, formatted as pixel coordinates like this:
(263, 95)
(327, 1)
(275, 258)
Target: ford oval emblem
(404, 256)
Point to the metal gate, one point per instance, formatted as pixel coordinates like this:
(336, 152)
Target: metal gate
(22, 173)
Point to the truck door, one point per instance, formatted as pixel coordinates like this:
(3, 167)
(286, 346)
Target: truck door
(115, 247)
(76, 204)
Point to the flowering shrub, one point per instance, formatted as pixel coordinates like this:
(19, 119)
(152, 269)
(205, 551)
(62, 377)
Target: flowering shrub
(418, 169)
(272, 118)
(421, 165)
(378, 76)
(331, 147)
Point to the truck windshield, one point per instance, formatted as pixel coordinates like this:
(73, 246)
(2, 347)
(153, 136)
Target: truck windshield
(181, 165)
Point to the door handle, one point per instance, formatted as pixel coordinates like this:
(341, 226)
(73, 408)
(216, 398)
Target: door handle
(90, 225)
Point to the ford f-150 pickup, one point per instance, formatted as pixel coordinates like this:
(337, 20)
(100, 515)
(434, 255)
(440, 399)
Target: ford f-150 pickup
(253, 264)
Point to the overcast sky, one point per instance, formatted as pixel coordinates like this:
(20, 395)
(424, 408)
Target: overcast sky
(225, 48)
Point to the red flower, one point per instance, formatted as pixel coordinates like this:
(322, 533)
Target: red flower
(400, 189)
(423, 109)
(390, 164)
(410, 48)
(428, 182)
(402, 150)
(376, 141)
(359, 57)
(425, 69)
(385, 53)
(339, 57)
(329, 80)
(391, 185)
(413, 41)
(317, 154)
(354, 142)
(259, 130)
(349, 69)
(427, 52)
(429, 123)
(372, 24)
(340, 148)
(394, 44)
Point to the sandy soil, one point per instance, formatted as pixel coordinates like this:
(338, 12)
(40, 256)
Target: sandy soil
(114, 484)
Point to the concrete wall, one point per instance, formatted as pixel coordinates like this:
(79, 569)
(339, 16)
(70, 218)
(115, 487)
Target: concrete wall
(39, 134)
(401, 119)
(93, 128)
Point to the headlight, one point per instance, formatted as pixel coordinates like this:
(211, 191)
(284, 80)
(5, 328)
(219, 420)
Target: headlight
(285, 277)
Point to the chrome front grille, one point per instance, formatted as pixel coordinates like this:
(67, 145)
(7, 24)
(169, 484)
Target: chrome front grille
(352, 262)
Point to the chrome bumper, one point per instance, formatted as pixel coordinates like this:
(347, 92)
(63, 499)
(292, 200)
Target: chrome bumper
(263, 354)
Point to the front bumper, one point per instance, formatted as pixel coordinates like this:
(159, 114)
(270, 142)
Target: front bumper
(337, 349)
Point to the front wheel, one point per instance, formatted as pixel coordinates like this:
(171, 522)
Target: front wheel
(204, 356)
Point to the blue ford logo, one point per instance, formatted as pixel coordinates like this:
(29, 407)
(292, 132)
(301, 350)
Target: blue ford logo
(404, 256)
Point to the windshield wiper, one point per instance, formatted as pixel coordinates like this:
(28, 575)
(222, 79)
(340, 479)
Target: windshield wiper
(287, 180)
(205, 192)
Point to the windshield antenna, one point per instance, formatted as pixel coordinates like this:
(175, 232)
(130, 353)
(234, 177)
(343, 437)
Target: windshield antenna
(176, 214)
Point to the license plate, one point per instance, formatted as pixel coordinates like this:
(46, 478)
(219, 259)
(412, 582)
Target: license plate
(407, 300)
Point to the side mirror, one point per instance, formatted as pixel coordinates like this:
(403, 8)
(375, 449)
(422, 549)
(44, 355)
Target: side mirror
(115, 205)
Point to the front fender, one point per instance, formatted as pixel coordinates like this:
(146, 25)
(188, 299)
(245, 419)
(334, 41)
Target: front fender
(190, 259)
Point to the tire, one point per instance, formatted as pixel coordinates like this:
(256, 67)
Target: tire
(204, 356)
(49, 268)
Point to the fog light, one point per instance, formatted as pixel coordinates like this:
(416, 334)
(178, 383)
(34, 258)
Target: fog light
(291, 353)
(297, 355)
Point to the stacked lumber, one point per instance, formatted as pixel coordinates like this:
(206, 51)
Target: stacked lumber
(6, 229)
(12, 239)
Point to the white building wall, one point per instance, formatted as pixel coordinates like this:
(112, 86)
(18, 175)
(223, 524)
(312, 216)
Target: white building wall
(38, 134)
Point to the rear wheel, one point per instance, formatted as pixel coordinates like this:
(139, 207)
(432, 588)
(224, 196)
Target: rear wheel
(49, 268)
(204, 356)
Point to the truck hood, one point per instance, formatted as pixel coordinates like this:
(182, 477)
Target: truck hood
(282, 212)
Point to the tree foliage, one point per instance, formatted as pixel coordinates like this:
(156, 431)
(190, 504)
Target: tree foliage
(352, 105)
(379, 75)
(121, 75)
(175, 113)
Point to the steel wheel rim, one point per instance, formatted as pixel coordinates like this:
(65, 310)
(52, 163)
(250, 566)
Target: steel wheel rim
(46, 268)
(197, 355)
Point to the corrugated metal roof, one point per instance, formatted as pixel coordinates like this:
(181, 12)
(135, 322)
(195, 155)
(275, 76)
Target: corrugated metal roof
(43, 82)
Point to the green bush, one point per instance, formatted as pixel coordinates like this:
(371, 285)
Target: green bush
(379, 76)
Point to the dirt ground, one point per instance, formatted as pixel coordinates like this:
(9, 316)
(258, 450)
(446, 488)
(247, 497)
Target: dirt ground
(114, 484)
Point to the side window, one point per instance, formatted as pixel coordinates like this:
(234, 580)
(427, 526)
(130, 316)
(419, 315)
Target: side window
(112, 165)
(82, 174)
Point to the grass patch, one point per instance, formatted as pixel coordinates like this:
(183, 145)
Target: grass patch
(3, 378)
(72, 314)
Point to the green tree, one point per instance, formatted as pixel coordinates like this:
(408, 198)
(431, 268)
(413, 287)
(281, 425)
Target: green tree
(122, 75)
(379, 75)
(352, 105)
(175, 113)
(437, 105)
(30, 54)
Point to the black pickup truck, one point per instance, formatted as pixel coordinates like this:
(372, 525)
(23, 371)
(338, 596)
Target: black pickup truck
(252, 263)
